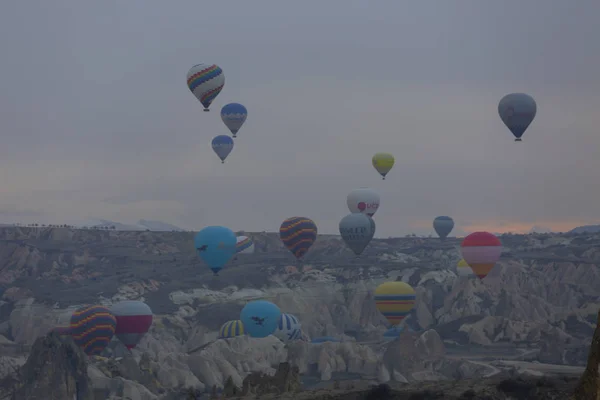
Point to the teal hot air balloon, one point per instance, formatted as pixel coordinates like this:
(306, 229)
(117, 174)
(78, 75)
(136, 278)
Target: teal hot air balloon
(260, 318)
(443, 225)
(215, 246)
(357, 230)
(517, 111)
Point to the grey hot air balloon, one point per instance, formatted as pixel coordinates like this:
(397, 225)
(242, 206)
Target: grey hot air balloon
(517, 111)
(357, 230)
(443, 225)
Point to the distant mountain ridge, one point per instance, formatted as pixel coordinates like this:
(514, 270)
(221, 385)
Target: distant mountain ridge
(142, 225)
(586, 229)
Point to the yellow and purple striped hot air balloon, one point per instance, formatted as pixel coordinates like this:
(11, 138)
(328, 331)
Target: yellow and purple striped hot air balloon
(231, 329)
(92, 328)
(298, 234)
(395, 300)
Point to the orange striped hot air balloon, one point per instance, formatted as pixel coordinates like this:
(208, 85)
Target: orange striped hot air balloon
(395, 300)
(481, 250)
(92, 328)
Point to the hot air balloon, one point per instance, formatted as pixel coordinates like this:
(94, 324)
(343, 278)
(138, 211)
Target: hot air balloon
(463, 269)
(481, 250)
(363, 200)
(234, 115)
(222, 146)
(216, 246)
(288, 328)
(244, 245)
(260, 318)
(383, 163)
(392, 333)
(357, 230)
(517, 111)
(231, 329)
(205, 81)
(92, 328)
(134, 318)
(395, 300)
(298, 234)
(443, 226)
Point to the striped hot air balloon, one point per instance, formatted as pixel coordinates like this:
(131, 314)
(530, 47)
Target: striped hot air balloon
(92, 328)
(134, 319)
(395, 300)
(288, 328)
(244, 245)
(298, 234)
(231, 329)
(481, 250)
(205, 81)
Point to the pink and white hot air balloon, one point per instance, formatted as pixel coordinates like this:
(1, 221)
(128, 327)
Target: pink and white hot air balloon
(363, 200)
(134, 319)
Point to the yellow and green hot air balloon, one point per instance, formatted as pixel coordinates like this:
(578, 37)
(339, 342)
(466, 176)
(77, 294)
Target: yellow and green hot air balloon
(383, 163)
(231, 329)
(395, 300)
(463, 269)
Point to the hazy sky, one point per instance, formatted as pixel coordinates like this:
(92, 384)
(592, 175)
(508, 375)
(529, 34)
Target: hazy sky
(97, 120)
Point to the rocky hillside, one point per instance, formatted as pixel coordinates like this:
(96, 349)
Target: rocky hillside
(534, 314)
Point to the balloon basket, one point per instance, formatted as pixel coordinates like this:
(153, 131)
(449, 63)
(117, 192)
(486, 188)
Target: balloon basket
(518, 140)
(206, 110)
(223, 162)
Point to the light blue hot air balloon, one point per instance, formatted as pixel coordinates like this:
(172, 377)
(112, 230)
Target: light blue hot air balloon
(443, 225)
(215, 246)
(260, 318)
(517, 111)
(222, 145)
(234, 115)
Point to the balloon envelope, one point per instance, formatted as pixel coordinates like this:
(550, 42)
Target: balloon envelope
(222, 146)
(517, 111)
(216, 246)
(134, 319)
(260, 318)
(443, 226)
(463, 269)
(231, 329)
(234, 115)
(298, 234)
(92, 328)
(357, 230)
(383, 163)
(395, 300)
(363, 200)
(206, 82)
(288, 328)
(481, 250)
(244, 245)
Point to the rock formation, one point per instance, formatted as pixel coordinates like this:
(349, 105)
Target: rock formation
(285, 380)
(589, 385)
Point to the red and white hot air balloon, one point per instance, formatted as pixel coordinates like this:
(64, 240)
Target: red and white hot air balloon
(363, 200)
(134, 319)
(481, 250)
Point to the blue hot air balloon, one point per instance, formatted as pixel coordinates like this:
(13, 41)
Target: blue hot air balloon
(234, 115)
(260, 318)
(443, 225)
(215, 246)
(517, 111)
(222, 145)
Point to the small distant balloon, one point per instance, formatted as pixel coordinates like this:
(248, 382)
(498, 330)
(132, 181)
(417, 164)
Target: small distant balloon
(517, 111)
(383, 163)
(481, 250)
(298, 234)
(363, 200)
(244, 245)
(395, 300)
(443, 225)
(215, 246)
(231, 329)
(234, 115)
(260, 318)
(357, 230)
(205, 81)
(222, 146)
(288, 328)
